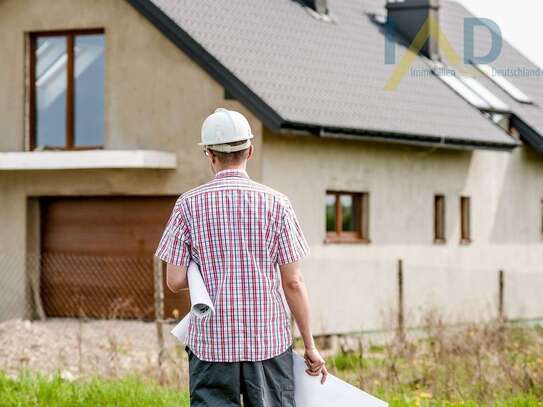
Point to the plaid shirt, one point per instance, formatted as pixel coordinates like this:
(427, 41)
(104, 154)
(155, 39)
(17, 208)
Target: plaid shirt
(239, 232)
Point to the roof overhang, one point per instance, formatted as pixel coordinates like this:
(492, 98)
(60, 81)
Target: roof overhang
(528, 134)
(88, 159)
(400, 138)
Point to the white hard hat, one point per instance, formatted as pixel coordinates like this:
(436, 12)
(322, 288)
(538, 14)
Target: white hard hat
(223, 127)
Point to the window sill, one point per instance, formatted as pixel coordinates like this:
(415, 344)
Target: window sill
(87, 159)
(345, 240)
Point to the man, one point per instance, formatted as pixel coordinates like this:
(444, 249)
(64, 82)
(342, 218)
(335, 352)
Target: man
(247, 241)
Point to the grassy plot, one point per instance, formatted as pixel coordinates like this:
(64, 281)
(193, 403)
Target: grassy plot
(33, 390)
(473, 365)
(513, 401)
(487, 364)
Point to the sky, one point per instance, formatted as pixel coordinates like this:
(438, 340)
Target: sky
(520, 21)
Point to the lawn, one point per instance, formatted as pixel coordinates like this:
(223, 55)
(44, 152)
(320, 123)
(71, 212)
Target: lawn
(33, 390)
(489, 364)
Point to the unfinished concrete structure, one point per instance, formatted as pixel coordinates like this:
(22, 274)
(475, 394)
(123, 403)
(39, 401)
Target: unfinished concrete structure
(375, 176)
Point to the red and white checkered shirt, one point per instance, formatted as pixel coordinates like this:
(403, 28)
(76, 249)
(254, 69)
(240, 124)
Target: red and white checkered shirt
(239, 232)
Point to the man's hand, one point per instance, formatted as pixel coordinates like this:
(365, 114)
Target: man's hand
(315, 363)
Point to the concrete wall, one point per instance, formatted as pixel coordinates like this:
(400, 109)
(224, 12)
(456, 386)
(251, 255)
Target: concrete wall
(355, 285)
(155, 98)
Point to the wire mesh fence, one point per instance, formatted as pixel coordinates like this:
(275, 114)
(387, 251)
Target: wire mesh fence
(83, 315)
(57, 285)
(109, 316)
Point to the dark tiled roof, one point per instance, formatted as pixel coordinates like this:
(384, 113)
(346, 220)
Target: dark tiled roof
(294, 70)
(452, 17)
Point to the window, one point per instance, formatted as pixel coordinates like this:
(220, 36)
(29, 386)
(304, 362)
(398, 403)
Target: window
(495, 103)
(347, 217)
(66, 89)
(465, 227)
(503, 83)
(459, 87)
(439, 219)
(471, 90)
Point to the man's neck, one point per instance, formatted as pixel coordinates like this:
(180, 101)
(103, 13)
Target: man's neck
(231, 167)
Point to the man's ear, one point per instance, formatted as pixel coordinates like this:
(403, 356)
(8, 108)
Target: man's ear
(212, 157)
(250, 154)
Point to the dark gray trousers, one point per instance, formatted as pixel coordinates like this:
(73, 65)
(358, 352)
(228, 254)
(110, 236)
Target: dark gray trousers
(267, 383)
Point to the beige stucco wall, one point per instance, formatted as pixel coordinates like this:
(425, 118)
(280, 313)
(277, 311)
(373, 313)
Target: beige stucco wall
(355, 286)
(155, 98)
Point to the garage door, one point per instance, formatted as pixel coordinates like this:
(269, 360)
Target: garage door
(97, 257)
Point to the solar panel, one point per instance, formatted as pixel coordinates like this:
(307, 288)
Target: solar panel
(505, 84)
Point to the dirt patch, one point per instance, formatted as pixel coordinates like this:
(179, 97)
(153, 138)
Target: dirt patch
(75, 349)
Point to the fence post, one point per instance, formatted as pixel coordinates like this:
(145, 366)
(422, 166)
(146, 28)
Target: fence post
(33, 258)
(401, 327)
(501, 293)
(159, 310)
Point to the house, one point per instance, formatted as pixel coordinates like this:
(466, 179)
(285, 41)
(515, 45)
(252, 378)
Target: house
(101, 105)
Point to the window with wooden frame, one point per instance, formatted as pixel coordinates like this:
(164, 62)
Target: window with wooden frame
(465, 220)
(439, 219)
(347, 217)
(66, 89)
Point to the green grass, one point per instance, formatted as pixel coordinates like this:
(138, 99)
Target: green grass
(35, 390)
(473, 365)
(470, 366)
(414, 400)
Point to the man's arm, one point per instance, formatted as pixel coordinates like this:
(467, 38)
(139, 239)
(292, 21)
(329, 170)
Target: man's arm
(298, 302)
(176, 277)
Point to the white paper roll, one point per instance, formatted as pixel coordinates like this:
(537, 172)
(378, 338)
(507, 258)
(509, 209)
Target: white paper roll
(310, 392)
(181, 329)
(201, 305)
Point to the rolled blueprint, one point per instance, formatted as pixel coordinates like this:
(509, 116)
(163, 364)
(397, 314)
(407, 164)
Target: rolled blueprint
(308, 390)
(201, 305)
(181, 329)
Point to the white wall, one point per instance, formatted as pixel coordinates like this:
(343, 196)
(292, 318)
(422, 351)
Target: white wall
(352, 286)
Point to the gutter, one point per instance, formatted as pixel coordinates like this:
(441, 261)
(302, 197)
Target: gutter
(394, 137)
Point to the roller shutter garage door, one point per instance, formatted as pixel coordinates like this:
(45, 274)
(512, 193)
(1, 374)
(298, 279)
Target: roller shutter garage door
(97, 257)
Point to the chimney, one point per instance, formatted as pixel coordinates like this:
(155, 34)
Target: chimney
(407, 17)
(320, 6)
